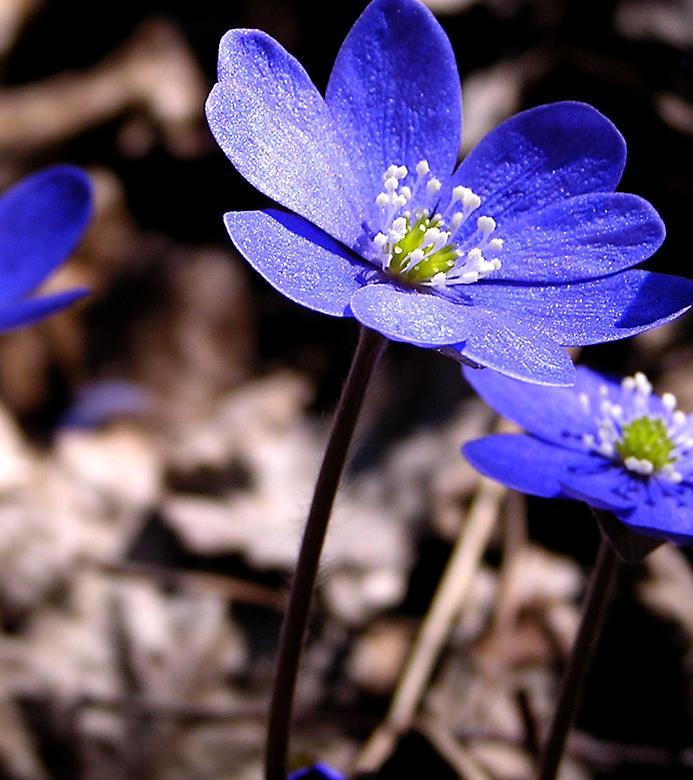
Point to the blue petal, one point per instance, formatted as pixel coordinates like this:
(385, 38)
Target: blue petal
(318, 771)
(41, 220)
(297, 259)
(274, 126)
(551, 413)
(524, 463)
(103, 401)
(546, 154)
(411, 315)
(585, 237)
(395, 91)
(514, 348)
(664, 511)
(593, 311)
(610, 487)
(16, 313)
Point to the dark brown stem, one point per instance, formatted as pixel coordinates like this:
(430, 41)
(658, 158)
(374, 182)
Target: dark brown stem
(368, 351)
(598, 595)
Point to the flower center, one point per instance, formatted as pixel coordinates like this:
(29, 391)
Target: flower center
(648, 437)
(418, 244)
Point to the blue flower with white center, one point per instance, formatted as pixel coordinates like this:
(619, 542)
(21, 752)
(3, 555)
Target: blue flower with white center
(317, 772)
(501, 261)
(41, 220)
(614, 445)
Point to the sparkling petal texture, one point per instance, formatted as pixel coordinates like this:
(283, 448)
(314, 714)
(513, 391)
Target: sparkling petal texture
(41, 220)
(395, 91)
(512, 347)
(584, 237)
(298, 259)
(546, 176)
(274, 126)
(541, 156)
(405, 314)
(524, 463)
(592, 311)
(554, 413)
(552, 459)
(16, 313)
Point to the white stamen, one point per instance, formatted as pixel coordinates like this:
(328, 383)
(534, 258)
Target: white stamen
(391, 183)
(433, 186)
(639, 466)
(380, 240)
(671, 474)
(669, 401)
(486, 225)
(633, 403)
(398, 218)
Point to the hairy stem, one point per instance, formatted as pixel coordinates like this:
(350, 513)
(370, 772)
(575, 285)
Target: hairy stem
(598, 595)
(368, 351)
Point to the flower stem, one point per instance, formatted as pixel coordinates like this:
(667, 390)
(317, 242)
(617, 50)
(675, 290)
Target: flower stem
(368, 351)
(598, 595)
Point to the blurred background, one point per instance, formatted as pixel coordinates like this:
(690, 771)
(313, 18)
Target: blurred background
(158, 443)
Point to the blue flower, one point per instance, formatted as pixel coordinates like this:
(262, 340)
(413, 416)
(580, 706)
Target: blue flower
(102, 401)
(500, 261)
(615, 446)
(41, 220)
(316, 772)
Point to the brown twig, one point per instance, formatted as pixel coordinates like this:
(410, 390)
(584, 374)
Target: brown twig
(445, 608)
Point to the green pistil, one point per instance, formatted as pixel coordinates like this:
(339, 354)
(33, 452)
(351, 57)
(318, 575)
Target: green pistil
(646, 439)
(439, 262)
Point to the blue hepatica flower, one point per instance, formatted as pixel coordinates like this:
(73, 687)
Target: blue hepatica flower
(499, 261)
(41, 220)
(316, 772)
(616, 446)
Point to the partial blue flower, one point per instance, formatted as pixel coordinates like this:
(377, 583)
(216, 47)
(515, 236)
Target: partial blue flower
(103, 401)
(317, 772)
(616, 446)
(41, 220)
(522, 249)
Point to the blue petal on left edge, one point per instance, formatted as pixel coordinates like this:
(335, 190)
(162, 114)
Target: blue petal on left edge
(41, 220)
(395, 91)
(296, 258)
(24, 312)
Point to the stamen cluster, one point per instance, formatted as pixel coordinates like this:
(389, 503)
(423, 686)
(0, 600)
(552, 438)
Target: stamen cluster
(647, 438)
(417, 243)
